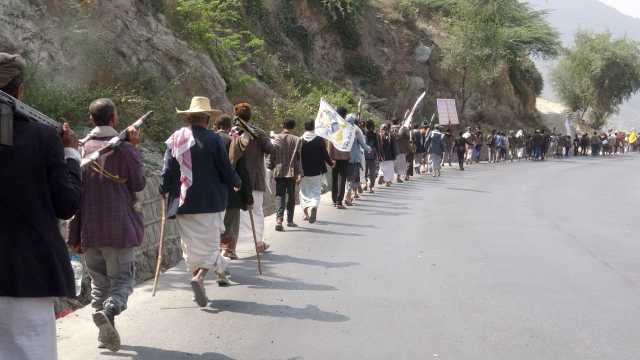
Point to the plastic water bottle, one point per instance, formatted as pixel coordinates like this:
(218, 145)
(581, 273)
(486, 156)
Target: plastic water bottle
(78, 272)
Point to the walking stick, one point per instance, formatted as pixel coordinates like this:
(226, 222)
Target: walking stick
(163, 223)
(255, 241)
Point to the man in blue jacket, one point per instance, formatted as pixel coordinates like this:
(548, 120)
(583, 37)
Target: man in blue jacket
(198, 173)
(39, 184)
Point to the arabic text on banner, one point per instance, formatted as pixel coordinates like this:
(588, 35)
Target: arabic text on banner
(331, 126)
(447, 112)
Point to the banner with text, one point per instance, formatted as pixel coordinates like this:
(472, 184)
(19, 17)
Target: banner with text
(447, 112)
(331, 126)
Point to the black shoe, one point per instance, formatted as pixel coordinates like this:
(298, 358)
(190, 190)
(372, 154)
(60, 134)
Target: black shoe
(279, 227)
(291, 224)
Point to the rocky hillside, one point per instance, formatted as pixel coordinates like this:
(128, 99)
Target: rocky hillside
(281, 55)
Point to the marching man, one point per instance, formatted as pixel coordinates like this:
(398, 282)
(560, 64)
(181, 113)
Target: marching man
(109, 225)
(197, 173)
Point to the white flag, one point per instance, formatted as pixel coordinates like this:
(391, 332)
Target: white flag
(333, 127)
(567, 126)
(409, 118)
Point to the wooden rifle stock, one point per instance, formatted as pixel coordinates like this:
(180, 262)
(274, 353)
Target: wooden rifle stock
(9, 106)
(254, 131)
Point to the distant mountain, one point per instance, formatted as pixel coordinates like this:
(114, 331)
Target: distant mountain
(569, 16)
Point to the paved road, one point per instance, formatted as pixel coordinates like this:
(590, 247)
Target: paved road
(531, 261)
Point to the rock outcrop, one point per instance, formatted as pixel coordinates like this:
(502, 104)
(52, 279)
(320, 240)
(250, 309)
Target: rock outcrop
(83, 43)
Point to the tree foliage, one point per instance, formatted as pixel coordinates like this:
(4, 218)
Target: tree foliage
(342, 8)
(485, 36)
(218, 27)
(598, 75)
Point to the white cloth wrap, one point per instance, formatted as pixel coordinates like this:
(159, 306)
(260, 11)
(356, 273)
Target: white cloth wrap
(386, 170)
(27, 329)
(400, 165)
(310, 191)
(200, 238)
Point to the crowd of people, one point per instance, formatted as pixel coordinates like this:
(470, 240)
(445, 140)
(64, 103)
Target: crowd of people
(537, 145)
(214, 181)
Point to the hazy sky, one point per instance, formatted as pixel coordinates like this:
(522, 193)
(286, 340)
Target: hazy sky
(629, 7)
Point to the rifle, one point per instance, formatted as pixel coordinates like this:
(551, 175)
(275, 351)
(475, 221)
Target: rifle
(253, 130)
(9, 107)
(114, 142)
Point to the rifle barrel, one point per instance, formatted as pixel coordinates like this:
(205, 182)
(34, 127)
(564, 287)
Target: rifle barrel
(115, 141)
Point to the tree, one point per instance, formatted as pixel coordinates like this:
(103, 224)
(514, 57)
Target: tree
(598, 75)
(485, 36)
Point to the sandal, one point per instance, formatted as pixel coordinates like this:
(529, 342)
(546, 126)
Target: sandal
(199, 293)
(230, 255)
(263, 247)
(222, 279)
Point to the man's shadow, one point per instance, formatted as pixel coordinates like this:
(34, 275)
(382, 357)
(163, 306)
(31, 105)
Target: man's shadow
(148, 353)
(310, 312)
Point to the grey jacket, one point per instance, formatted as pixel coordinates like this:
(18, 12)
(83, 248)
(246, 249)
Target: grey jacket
(435, 143)
(359, 145)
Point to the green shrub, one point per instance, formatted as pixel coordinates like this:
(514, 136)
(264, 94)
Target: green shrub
(344, 16)
(360, 65)
(134, 93)
(407, 9)
(261, 22)
(339, 8)
(218, 27)
(294, 31)
(303, 105)
(410, 10)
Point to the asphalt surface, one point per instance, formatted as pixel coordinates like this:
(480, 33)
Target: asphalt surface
(526, 261)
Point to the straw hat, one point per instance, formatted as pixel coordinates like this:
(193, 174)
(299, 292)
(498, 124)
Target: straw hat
(200, 105)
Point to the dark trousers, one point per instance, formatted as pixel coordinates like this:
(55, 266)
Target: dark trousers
(460, 154)
(410, 157)
(371, 171)
(339, 180)
(285, 197)
(537, 153)
(229, 239)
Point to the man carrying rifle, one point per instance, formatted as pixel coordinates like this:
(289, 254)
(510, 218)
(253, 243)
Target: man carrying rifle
(39, 183)
(109, 225)
(258, 146)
